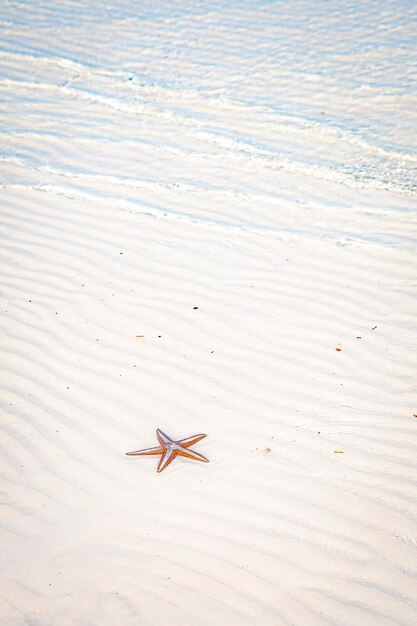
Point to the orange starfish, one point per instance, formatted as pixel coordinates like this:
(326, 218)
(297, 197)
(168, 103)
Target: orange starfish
(170, 448)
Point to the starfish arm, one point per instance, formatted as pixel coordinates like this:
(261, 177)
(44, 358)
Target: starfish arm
(166, 459)
(190, 454)
(162, 437)
(157, 450)
(189, 441)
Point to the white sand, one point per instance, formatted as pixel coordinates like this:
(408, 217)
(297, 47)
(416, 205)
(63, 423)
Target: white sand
(255, 162)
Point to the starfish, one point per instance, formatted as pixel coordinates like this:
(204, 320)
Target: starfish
(170, 448)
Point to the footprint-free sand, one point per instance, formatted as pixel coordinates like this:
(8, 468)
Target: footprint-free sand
(208, 224)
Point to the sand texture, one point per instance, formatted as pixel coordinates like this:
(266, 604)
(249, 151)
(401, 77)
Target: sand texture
(207, 216)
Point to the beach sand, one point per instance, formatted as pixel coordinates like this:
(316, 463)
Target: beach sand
(208, 226)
